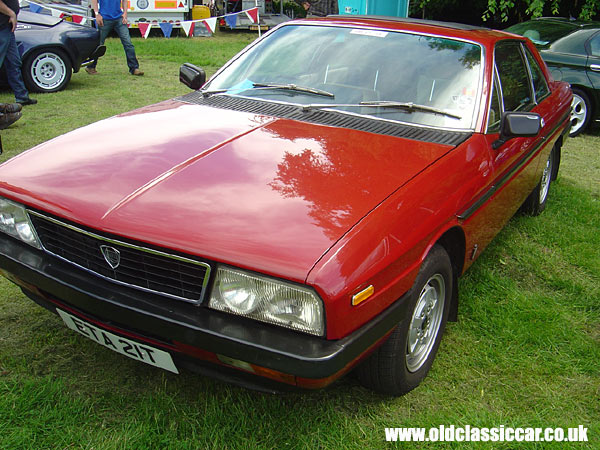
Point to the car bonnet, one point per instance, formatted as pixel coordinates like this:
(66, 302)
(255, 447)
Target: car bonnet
(251, 190)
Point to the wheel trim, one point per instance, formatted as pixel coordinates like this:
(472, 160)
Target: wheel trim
(546, 178)
(578, 113)
(425, 322)
(48, 70)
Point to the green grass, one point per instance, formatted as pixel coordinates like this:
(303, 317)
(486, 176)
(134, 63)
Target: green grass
(525, 352)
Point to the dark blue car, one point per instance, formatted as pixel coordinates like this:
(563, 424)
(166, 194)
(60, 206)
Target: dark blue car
(52, 49)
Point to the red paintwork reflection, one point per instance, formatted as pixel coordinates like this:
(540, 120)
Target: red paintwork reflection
(267, 194)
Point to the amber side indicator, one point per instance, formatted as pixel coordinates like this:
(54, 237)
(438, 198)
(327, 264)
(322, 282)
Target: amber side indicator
(362, 295)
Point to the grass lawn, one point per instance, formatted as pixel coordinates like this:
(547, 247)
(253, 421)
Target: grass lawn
(525, 352)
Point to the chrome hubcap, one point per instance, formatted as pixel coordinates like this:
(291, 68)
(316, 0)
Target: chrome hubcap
(546, 176)
(48, 70)
(425, 323)
(578, 113)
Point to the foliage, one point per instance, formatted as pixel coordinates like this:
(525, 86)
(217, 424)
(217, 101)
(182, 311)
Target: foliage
(538, 8)
(501, 13)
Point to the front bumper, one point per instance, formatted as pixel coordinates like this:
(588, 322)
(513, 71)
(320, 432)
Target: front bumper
(193, 335)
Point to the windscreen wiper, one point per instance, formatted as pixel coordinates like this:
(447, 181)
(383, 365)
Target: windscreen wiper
(293, 87)
(408, 106)
(206, 94)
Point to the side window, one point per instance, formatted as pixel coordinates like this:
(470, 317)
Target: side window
(539, 81)
(495, 113)
(514, 76)
(595, 45)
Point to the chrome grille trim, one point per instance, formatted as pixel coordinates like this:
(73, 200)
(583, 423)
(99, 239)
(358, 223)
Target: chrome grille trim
(157, 253)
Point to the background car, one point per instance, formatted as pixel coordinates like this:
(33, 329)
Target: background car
(52, 49)
(571, 49)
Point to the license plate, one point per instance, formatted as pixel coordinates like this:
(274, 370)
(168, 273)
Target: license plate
(132, 349)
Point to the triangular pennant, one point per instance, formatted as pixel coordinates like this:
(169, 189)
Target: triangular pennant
(253, 15)
(144, 28)
(83, 20)
(35, 8)
(166, 28)
(56, 13)
(231, 20)
(211, 24)
(188, 27)
(77, 18)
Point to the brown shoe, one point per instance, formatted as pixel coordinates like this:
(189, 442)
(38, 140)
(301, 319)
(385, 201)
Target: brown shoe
(10, 108)
(91, 70)
(7, 120)
(137, 72)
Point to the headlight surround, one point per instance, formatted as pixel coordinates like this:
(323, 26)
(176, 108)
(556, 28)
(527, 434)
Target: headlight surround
(15, 222)
(268, 300)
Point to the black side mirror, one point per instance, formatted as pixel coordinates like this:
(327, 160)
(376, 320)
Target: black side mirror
(192, 76)
(518, 124)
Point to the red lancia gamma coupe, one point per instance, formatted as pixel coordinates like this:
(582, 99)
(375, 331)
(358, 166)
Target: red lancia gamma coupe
(305, 212)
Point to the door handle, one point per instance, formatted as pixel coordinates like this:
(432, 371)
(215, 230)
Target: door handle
(595, 67)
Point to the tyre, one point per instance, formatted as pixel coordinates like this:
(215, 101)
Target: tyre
(536, 202)
(403, 360)
(46, 70)
(581, 111)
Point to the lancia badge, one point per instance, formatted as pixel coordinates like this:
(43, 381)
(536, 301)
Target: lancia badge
(111, 255)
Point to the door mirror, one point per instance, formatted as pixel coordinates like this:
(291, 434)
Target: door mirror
(518, 124)
(192, 76)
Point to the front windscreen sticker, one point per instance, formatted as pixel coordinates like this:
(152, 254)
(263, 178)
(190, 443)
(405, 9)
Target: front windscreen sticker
(374, 33)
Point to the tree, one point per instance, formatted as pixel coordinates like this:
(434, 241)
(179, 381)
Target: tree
(581, 9)
(502, 13)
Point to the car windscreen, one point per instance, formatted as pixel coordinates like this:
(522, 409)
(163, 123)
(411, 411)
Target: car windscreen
(542, 33)
(399, 76)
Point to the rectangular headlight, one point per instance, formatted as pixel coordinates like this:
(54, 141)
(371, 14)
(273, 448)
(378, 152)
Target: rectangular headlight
(268, 300)
(15, 222)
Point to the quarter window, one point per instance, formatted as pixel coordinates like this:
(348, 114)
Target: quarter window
(495, 112)
(514, 77)
(595, 45)
(539, 81)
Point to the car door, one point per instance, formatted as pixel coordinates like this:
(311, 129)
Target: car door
(515, 162)
(593, 61)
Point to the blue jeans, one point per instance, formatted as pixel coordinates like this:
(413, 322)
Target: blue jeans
(9, 56)
(123, 32)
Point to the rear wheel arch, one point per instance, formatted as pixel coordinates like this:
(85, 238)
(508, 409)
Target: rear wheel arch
(583, 114)
(50, 47)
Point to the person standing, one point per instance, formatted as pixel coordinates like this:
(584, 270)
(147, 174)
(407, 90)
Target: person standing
(112, 15)
(9, 54)
(319, 8)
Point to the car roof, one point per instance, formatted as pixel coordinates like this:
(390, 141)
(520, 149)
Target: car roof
(435, 23)
(474, 33)
(574, 22)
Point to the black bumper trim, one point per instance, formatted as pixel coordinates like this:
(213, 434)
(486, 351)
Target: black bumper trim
(157, 318)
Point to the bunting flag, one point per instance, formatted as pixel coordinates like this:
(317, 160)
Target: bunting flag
(252, 14)
(211, 24)
(166, 28)
(35, 8)
(188, 27)
(144, 29)
(231, 20)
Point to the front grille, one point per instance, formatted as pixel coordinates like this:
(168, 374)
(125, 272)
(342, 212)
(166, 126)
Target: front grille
(139, 267)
